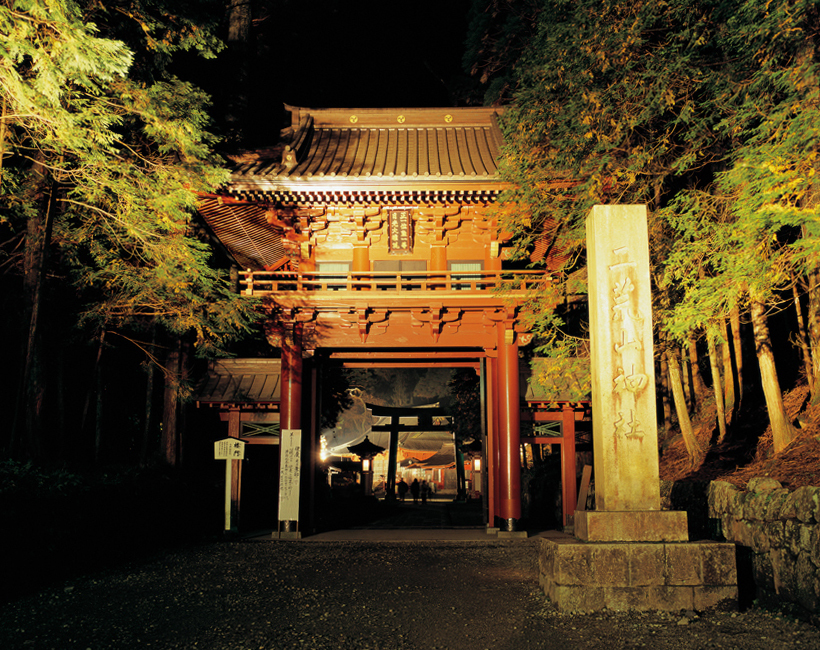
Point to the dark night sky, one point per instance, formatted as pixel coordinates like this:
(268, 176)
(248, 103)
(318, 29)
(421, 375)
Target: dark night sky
(366, 53)
(355, 53)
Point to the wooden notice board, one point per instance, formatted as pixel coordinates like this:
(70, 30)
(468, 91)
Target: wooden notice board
(290, 447)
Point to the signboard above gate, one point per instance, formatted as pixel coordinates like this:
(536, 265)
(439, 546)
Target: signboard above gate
(400, 225)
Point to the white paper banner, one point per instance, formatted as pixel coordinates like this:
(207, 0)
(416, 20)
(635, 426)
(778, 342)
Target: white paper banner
(290, 446)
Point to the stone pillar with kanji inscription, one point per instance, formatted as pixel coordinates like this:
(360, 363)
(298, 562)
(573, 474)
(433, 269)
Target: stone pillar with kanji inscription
(625, 436)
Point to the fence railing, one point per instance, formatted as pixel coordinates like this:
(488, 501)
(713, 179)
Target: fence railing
(255, 283)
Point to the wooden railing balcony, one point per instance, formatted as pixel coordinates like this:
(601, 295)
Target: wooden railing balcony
(264, 283)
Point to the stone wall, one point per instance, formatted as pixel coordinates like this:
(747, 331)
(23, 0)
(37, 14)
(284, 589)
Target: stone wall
(778, 538)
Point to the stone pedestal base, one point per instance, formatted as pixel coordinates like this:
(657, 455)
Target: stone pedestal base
(584, 576)
(512, 534)
(287, 534)
(631, 526)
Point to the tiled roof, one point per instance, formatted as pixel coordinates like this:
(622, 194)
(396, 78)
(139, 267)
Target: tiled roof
(241, 381)
(431, 148)
(243, 229)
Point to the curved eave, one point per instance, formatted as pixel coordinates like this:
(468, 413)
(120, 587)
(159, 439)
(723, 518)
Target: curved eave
(370, 183)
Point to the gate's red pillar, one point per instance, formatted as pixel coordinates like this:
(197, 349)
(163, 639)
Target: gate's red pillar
(235, 431)
(568, 470)
(491, 452)
(509, 474)
(314, 427)
(290, 404)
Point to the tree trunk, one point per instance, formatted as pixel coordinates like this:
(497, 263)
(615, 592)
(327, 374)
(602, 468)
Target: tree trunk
(717, 387)
(729, 399)
(170, 415)
(98, 391)
(692, 446)
(147, 428)
(737, 346)
(98, 413)
(814, 332)
(803, 340)
(698, 385)
(782, 431)
(93, 390)
(237, 60)
(29, 427)
(686, 380)
(666, 391)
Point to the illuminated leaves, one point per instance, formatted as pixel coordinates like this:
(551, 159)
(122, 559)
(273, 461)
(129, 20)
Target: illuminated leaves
(126, 148)
(705, 111)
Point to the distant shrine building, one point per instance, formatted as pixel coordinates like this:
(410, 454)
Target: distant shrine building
(367, 236)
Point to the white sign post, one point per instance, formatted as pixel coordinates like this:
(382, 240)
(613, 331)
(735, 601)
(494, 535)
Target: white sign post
(290, 448)
(229, 449)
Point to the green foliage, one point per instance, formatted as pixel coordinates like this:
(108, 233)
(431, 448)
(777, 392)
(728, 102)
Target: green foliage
(18, 478)
(499, 32)
(749, 233)
(123, 149)
(706, 111)
(560, 378)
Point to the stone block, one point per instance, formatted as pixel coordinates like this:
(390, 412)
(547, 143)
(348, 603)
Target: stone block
(727, 522)
(789, 510)
(807, 504)
(577, 598)
(683, 565)
(647, 563)
(512, 534)
(763, 484)
(637, 576)
(814, 546)
(718, 564)
(783, 573)
(287, 534)
(624, 599)
(716, 497)
(611, 564)
(806, 577)
(707, 597)
(775, 533)
(753, 505)
(631, 526)
(796, 537)
(774, 506)
(763, 570)
(546, 557)
(668, 598)
(573, 565)
(760, 539)
(741, 532)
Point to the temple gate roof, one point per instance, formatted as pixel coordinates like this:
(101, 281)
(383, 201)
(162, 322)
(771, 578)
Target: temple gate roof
(355, 157)
(361, 150)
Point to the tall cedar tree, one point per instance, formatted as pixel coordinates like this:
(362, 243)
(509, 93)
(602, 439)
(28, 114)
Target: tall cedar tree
(707, 112)
(103, 152)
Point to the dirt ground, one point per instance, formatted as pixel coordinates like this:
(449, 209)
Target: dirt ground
(356, 595)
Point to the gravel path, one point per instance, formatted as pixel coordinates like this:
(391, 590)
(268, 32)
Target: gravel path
(355, 596)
